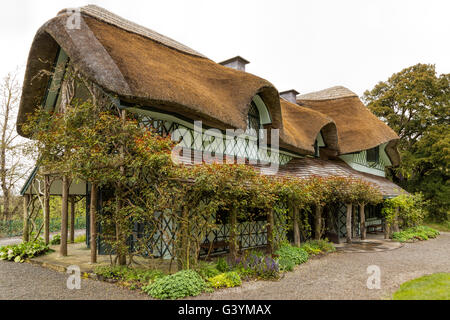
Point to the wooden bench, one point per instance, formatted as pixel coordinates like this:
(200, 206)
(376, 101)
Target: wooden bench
(216, 245)
(373, 228)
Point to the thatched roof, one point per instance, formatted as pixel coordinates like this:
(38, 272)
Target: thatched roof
(302, 125)
(143, 67)
(358, 129)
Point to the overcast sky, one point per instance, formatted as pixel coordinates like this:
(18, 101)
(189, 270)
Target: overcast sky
(302, 45)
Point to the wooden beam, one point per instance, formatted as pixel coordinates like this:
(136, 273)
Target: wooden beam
(349, 223)
(47, 209)
(26, 228)
(233, 234)
(295, 212)
(318, 222)
(64, 216)
(93, 222)
(72, 219)
(270, 228)
(362, 222)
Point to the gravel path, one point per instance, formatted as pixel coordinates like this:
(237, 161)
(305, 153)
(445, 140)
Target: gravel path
(16, 240)
(343, 275)
(31, 282)
(336, 276)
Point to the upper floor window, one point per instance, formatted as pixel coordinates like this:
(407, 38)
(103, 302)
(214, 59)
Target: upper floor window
(373, 155)
(253, 120)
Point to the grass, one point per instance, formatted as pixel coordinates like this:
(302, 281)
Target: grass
(440, 226)
(431, 287)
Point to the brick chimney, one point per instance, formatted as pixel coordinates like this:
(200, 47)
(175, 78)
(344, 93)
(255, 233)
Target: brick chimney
(289, 95)
(237, 63)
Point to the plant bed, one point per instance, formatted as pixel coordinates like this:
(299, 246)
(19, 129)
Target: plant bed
(419, 233)
(23, 251)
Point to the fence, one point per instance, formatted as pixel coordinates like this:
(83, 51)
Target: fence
(14, 228)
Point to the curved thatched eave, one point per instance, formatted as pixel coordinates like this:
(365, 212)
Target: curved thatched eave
(141, 70)
(302, 125)
(358, 129)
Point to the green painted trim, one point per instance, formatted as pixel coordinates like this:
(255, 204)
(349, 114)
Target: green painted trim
(29, 181)
(263, 111)
(53, 91)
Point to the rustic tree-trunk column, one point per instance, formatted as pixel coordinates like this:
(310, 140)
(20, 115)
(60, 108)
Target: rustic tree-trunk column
(387, 231)
(64, 216)
(295, 211)
(183, 254)
(26, 229)
(396, 228)
(47, 209)
(270, 235)
(233, 234)
(318, 222)
(362, 225)
(349, 223)
(93, 223)
(72, 220)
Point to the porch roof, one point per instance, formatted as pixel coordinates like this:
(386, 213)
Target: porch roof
(309, 167)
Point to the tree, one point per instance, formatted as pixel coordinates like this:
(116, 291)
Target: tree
(13, 167)
(415, 103)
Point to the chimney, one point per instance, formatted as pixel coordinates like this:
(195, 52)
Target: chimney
(237, 63)
(289, 95)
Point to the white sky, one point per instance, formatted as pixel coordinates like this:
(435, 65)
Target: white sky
(305, 45)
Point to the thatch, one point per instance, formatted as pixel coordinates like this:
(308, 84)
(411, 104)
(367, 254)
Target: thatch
(142, 70)
(358, 129)
(302, 125)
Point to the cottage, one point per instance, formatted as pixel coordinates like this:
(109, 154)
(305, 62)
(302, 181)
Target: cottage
(324, 133)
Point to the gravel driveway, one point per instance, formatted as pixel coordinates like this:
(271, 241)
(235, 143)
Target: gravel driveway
(336, 276)
(343, 275)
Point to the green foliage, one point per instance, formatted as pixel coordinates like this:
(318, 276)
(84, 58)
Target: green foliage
(222, 265)
(133, 278)
(207, 270)
(290, 255)
(415, 233)
(24, 250)
(431, 287)
(415, 103)
(179, 285)
(226, 280)
(80, 239)
(409, 209)
(56, 239)
(314, 247)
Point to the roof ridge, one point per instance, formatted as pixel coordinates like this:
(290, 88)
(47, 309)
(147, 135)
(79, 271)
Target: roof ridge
(331, 93)
(116, 20)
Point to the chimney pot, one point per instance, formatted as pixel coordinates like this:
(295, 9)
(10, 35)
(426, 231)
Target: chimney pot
(237, 63)
(290, 95)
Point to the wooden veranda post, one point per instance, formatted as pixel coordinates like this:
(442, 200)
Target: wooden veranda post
(270, 235)
(47, 209)
(396, 227)
(64, 216)
(72, 220)
(93, 223)
(233, 234)
(349, 223)
(295, 226)
(26, 229)
(362, 219)
(318, 222)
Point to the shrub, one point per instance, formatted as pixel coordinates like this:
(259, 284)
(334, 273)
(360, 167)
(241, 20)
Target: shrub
(314, 247)
(254, 264)
(56, 239)
(207, 270)
(80, 239)
(179, 285)
(415, 233)
(226, 280)
(286, 264)
(294, 254)
(134, 278)
(24, 250)
(222, 265)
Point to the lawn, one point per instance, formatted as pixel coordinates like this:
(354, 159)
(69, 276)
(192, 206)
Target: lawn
(431, 287)
(440, 226)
